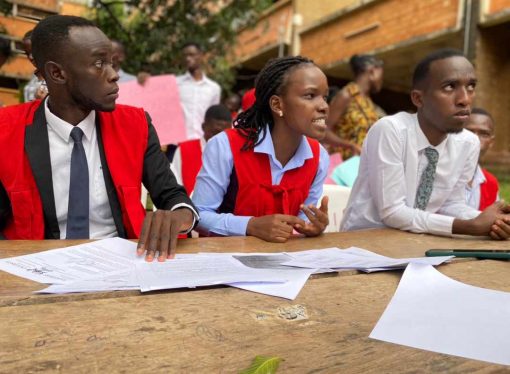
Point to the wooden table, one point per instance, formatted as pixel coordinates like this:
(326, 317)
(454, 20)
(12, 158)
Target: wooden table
(220, 330)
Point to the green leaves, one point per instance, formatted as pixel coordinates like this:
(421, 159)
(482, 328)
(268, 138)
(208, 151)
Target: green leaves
(263, 365)
(153, 31)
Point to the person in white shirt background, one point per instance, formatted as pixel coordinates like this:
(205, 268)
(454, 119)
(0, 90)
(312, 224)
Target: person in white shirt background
(414, 167)
(483, 189)
(197, 92)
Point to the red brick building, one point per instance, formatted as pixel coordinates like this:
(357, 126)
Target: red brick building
(400, 33)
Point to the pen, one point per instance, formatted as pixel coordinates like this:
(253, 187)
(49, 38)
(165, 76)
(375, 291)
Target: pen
(487, 254)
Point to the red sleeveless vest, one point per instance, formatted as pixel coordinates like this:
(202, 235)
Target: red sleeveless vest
(256, 195)
(488, 190)
(124, 133)
(191, 162)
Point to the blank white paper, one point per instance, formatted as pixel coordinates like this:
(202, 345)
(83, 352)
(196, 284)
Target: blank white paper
(433, 312)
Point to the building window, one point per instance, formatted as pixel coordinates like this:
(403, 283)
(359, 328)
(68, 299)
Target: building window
(25, 11)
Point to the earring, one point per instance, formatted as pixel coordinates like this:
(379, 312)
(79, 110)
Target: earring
(280, 113)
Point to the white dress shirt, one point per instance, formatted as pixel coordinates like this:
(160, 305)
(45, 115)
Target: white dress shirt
(473, 192)
(196, 97)
(392, 162)
(101, 220)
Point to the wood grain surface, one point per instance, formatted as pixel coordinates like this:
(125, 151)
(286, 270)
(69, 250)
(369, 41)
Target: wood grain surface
(325, 330)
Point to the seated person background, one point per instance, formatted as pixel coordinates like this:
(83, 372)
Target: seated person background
(414, 167)
(264, 177)
(187, 159)
(74, 163)
(483, 189)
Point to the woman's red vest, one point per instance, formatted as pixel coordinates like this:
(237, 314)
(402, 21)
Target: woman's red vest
(256, 194)
(124, 133)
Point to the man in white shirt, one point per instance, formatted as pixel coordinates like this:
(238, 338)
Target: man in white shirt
(414, 167)
(197, 92)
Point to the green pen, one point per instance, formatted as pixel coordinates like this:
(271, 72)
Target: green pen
(477, 253)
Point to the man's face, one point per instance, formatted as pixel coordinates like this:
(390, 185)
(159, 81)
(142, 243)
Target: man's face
(192, 57)
(482, 125)
(445, 97)
(90, 78)
(212, 127)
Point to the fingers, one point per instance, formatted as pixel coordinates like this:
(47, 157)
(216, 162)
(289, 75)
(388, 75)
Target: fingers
(154, 237)
(324, 204)
(174, 232)
(501, 228)
(290, 220)
(164, 242)
(144, 234)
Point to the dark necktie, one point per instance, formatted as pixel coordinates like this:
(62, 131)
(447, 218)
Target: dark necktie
(78, 208)
(427, 179)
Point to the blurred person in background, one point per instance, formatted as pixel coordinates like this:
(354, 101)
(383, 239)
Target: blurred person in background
(352, 111)
(483, 190)
(36, 86)
(119, 56)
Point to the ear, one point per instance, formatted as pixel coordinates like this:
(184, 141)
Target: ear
(276, 105)
(55, 73)
(417, 97)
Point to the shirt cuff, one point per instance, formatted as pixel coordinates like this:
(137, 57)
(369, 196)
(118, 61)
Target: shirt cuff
(196, 217)
(439, 224)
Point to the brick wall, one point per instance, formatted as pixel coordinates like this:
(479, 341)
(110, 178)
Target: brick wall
(493, 91)
(394, 21)
(496, 6)
(266, 32)
(312, 11)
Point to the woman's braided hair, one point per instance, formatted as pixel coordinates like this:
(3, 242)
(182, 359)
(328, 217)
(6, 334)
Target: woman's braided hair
(270, 81)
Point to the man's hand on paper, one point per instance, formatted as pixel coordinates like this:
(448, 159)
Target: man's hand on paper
(318, 219)
(160, 230)
(273, 228)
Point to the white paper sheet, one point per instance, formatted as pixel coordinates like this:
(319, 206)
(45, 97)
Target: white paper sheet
(296, 278)
(112, 282)
(200, 270)
(80, 262)
(436, 313)
(354, 258)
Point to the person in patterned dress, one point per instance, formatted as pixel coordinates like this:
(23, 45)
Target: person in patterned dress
(352, 111)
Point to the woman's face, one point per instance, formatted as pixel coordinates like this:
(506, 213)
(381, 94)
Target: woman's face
(303, 101)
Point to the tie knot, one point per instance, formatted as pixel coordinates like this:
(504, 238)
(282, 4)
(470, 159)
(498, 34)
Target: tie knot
(432, 154)
(76, 134)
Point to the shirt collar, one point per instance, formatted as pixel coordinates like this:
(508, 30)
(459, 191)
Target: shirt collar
(63, 128)
(188, 76)
(422, 142)
(303, 152)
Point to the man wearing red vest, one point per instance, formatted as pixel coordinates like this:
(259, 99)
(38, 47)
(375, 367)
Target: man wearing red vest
(187, 159)
(483, 190)
(73, 164)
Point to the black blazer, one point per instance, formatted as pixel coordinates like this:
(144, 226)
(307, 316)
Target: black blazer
(157, 177)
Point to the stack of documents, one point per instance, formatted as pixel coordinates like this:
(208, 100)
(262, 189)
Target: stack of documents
(112, 264)
(354, 258)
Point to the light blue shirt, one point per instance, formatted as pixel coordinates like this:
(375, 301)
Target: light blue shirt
(214, 179)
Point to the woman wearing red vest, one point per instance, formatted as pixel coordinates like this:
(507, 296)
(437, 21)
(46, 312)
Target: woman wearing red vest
(264, 177)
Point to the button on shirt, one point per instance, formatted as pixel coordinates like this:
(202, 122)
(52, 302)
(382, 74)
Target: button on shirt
(392, 162)
(214, 179)
(196, 97)
(102, 224)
